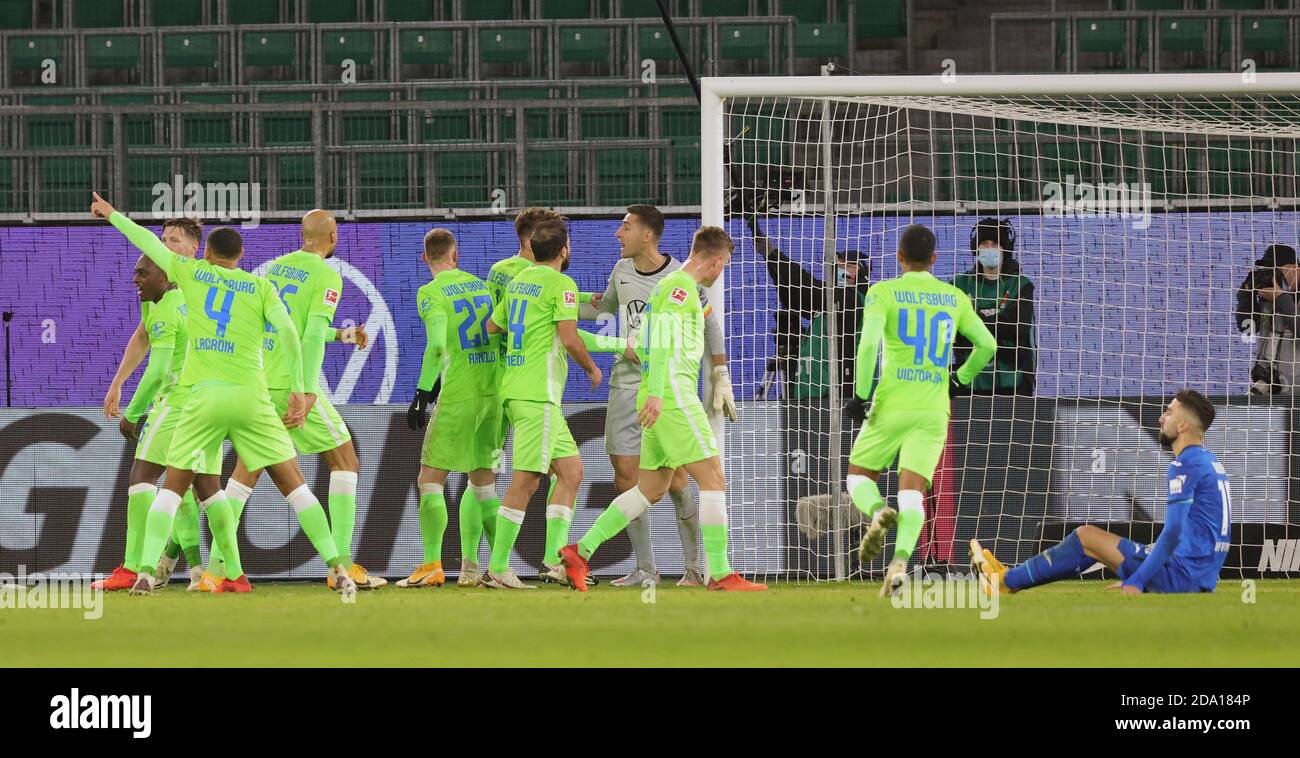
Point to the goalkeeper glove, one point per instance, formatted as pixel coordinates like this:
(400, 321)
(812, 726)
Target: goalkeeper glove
(418, 414)
(724, 399)
(856, 409)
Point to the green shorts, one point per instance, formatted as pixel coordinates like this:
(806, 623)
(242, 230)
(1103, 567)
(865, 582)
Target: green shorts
(322, 430)
(679, 436)
(159, 426)
(218, 412)
(541, 435)
(916, 439)
(464, 436)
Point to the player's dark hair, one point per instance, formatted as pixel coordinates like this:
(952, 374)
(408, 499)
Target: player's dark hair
(1197, 404)
(710, 242)
(917, 244)
(529, 218)
(549, 238)
(225, 242)
(190, 227)
(438, 243)
(993, 230)
(649, 215)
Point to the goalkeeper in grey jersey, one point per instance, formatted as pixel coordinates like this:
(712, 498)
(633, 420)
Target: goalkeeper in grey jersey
(639, 269)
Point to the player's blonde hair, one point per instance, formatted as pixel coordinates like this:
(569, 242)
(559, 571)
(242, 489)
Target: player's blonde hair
(438, 243)
(190, 227)
(711, 242)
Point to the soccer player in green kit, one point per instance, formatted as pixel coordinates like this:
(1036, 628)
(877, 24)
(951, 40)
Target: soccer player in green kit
(918, 317)
(227, 311)
(538, 318)
(311, 291)
(676, 429)
(464, 433)
(181, 236)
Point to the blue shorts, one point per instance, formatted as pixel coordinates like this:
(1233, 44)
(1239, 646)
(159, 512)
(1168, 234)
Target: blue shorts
(1171, 578)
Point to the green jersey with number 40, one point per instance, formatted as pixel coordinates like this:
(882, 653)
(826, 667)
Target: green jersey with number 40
(455, 308)
(536, 364)
(309, 288)
(918, 317)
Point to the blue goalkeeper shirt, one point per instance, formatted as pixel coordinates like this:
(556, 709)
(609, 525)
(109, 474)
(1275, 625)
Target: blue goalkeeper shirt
(1198, 522)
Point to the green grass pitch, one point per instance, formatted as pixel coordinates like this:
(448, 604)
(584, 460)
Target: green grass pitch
(830, 624)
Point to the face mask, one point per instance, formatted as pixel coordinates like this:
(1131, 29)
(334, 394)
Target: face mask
(990, 257)
(841, 278)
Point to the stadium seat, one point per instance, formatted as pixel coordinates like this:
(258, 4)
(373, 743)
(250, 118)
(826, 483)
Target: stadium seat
(63, 184)
(297, 186)
(14, 14)
(27, 56)
(505, 45)
(53, 132)
(223, 169)
(490, 10)
(648, 9)
(140, 129)
(539, 123)
(716, 8)
(1099, 35)
(1183, 35)
(461, 180)
(408, 10)
(383, 181)
(442, 125)
(177, 12)
(331, 11)
(548, 182)
(1262, 34)
(9, 200)
(370, 126)
(254, 12)
(818, 40)
(746, 42)
(1242, 5)
(586, 44)
(686, 171)
(804, 11)
(199, 54)
(207, 129)
(99, 14)
(679, 121)
(425, 47)
(623, 177)
(262, 48)
(286, 127)
(142, 173)
(1229, 170)
(340, 45)
(880, 19)
(571, 9)
(605, 123)
(115, 52)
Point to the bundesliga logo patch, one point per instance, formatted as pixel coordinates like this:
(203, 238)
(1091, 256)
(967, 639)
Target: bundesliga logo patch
(679, 296)
(570, 298)
(1176, 485)
(331, 297)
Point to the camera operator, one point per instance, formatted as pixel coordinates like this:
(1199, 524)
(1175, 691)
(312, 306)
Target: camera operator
(802, 353)
(1266, 308)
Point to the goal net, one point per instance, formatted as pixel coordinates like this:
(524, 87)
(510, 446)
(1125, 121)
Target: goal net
(1135, 215)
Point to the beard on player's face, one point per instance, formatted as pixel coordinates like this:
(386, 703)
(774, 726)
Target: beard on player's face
(564, 262)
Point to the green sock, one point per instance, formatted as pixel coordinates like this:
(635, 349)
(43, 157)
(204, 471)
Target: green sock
(471, 525)
(185, 531)
(608, 524)
(236, 510)
(488, 510)
(715, 547)
(138, 500)
(866, 496)
(158, 527)
(433, 520)
(911, 515)
(507, 532)
(558, 518)
(343, 511)
(317, 528)
(221, 520)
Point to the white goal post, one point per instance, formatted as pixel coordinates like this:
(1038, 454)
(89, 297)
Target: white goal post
(1216, 154)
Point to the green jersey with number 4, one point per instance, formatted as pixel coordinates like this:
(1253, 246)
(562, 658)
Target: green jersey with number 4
(455, 308)
(536, 364)
(918, 317)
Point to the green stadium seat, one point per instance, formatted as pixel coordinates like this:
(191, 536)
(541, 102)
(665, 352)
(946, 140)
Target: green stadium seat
(1242, 5)
(425, 47)
(747, 42)
(686, 171)
(880, 19)
(1058, 161)
(1153, 5)
(142, 173)
(286, 127)
(1184, 35)
(113, 51)
(408, 10)
(254, 12)
(140, 129)
(585, 44)
(655, 44)
(678, 121)
(548, 179)
(804, 11)
(331, 11)
(568, 9)
(264, 48)
(623, 177)
(383, 181)
(178, 12)
(30, 52)
(224, 169)
(715, 8)
(1229, 170)
(604, 123)
(201, 50)
(370, 126)
(99, 14)
(1261, 34)
(648, 9)
(63, 184)
(297, 186)
(340, 45)
(817, 40)
(207, 129)
(445, 126)
(538, 121)
(14, 14)
(9, 200)
(490, 10)
(462, 180)
(52, 132)
(1099, 35)
(505, 45)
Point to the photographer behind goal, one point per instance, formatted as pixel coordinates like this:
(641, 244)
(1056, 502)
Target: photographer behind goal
(1266, 309)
